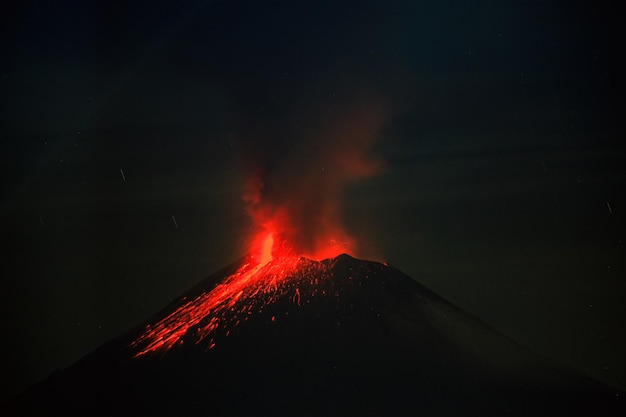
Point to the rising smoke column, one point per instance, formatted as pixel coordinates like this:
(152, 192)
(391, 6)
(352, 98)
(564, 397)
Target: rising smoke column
(293, 195)
(294, 189)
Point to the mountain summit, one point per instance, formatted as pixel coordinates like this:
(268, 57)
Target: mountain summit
(293, 336)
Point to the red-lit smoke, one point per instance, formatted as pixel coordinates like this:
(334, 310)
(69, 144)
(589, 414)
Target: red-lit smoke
(294, 200)
(298, 198)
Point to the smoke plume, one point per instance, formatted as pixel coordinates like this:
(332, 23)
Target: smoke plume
(294, 186)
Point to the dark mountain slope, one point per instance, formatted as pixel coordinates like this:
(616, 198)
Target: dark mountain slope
(341, 336)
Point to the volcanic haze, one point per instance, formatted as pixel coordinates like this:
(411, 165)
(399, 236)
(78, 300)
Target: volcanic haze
(294, 336)
(294, 189)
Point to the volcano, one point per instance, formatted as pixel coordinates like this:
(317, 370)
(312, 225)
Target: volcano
(294, 336)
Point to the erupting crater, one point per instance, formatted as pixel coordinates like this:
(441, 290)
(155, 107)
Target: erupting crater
(270, 272)
(277, 333)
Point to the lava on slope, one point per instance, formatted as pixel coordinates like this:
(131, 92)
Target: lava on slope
(293, 336)
(261, 280)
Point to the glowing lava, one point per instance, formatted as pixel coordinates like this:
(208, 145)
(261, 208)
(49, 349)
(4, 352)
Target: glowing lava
(266, 275)
(295, 203)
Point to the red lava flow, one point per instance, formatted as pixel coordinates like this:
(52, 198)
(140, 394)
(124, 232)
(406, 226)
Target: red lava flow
(255, 284)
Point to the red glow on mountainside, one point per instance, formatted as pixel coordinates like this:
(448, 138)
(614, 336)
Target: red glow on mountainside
(294, 203)
(268, 273)
(272, 269)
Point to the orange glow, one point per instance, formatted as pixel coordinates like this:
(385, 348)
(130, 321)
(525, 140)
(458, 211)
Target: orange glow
(254, 286)
(295, 208)
(271, 270)
(296, 230)
(266, 249)
(280, 237)
(297, 196)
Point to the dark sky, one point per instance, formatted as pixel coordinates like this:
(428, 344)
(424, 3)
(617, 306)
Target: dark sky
(129, 130)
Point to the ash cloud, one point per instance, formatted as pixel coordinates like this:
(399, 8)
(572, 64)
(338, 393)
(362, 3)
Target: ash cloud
(299, 163)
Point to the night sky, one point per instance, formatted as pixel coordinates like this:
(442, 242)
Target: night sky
(130, 132)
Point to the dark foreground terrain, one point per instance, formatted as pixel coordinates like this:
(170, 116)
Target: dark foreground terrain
(342, 337)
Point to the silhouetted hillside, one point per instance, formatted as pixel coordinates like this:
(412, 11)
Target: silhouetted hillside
(341, 336)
